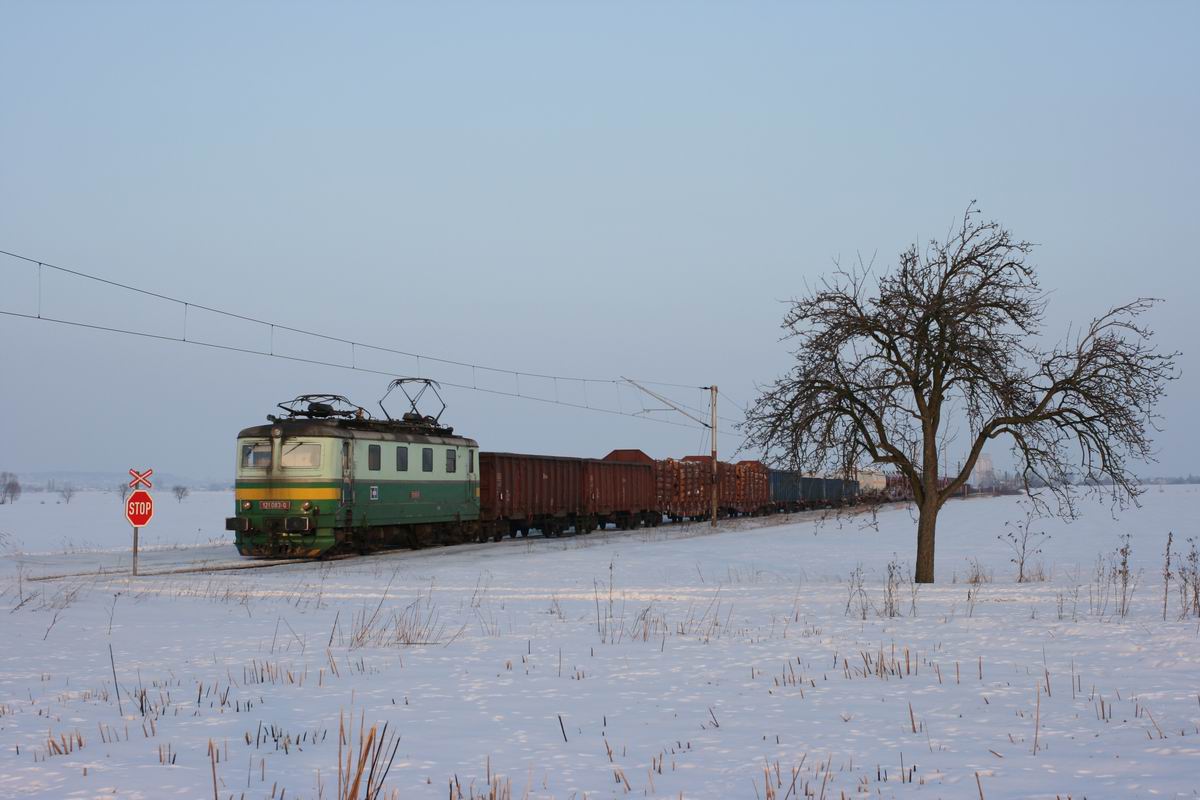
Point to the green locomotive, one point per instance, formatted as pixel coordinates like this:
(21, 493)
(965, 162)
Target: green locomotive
(327, 479)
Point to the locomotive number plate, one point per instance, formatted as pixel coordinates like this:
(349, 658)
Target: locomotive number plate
(274, 505)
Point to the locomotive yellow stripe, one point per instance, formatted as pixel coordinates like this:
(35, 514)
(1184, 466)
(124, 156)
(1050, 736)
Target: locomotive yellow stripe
(313, 493)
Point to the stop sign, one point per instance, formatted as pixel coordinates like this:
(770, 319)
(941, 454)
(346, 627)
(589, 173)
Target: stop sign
(139, 508)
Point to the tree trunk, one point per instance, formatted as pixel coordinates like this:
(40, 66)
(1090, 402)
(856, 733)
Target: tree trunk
(926, 525)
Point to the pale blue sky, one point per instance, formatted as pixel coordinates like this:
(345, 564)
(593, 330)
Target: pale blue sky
(566, 188)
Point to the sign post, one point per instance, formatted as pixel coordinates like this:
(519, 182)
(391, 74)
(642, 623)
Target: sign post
(139, 508)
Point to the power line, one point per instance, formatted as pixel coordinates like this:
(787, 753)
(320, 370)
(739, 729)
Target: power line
(337, 365)
(682, 404)
(354, 345)
(279, 326)
(736, 404)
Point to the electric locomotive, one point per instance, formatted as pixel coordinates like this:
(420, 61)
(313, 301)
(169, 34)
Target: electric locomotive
(327, 478)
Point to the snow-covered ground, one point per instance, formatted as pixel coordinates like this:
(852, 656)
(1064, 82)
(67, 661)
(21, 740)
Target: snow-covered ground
(40, 523)
(658, 663)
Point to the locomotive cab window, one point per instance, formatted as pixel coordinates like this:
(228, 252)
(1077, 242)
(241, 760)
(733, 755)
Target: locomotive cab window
(301, 455)
(374, 457)
(451, 460)
(256, 456)
(401, 459)
(426, 459)
(470, 462)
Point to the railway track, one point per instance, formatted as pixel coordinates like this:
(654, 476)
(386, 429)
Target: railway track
(229, 566)
(243, 564)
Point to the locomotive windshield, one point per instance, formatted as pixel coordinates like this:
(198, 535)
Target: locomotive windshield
(256, 455)
(301, 455)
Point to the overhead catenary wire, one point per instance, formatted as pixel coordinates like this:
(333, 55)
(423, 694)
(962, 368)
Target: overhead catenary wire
(695, 412)
(354, 346)
(723, 393)
(302, 331)
(695, 409)
(739, 406)
(336, 365)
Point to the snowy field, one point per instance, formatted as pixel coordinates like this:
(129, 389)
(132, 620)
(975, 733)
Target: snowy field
(41, 535)
(745, 663)
(41, 524)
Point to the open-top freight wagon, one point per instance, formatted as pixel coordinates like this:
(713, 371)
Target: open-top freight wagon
(519, 492)
(726, 486)
(794, 491)
(899, 489)
(871, 484)
(753, 488)
(683, 487)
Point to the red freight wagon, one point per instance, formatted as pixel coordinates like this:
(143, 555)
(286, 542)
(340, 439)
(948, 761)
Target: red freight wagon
(753, 487)
(686, 488)
(898, 487)
(621, 492)
(726, 482)
(526, 491)
(681, 488)
(552, 493)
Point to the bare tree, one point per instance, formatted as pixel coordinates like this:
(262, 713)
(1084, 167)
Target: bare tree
(66, 492)
(1025, 543)
(10, 488)
(887, 367)
(123, 490)
(180, 492)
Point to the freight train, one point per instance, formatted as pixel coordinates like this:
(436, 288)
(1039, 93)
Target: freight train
(328, 478)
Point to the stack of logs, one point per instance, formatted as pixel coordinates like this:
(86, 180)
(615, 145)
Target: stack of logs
(684, 486)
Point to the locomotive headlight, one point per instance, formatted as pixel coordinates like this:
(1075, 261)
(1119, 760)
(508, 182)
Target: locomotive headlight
(276, 432)
(245, 505)
(306, 505)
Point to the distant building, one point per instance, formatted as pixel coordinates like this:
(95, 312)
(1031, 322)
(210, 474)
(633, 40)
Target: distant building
(984, 474)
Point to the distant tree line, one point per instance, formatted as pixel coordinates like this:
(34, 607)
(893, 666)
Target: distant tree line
(10, 488)
(1173, 480)
(1010, 481)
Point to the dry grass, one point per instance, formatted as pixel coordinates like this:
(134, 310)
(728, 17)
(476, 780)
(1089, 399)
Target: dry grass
(978, 573)
(361, 775)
